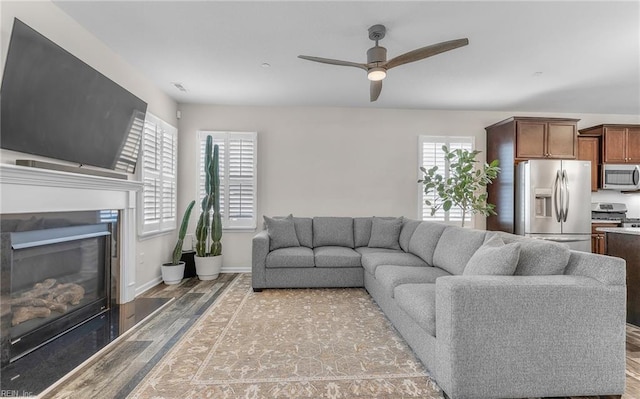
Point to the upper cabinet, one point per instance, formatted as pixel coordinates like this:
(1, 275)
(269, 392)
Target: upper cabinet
(620, 143)
(540, 139)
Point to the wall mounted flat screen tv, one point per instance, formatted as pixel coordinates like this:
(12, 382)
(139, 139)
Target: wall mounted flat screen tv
(55, 105)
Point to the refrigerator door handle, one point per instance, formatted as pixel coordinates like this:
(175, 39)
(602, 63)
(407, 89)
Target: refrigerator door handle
(565, 196)
(555, 197)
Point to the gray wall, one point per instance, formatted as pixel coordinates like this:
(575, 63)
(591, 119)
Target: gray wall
(316, 161)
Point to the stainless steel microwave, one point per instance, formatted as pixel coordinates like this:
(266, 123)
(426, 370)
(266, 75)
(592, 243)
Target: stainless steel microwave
(621, 177)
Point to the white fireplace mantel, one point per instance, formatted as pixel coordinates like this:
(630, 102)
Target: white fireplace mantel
(29, 190)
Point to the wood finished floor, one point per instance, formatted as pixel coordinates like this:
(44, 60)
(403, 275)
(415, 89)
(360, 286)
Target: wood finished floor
(116, 373)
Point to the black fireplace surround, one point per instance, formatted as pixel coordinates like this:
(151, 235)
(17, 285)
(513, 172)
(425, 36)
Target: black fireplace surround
(55, 275)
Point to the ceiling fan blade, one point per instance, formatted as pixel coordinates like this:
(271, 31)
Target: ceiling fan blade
(333, 62)
(424, 52)
(375, 89)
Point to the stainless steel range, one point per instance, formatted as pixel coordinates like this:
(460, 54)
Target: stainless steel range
(608, 211)
(612, 212)
(631, 222)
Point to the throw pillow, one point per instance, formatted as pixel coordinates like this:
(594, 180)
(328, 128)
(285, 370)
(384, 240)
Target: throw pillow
(494, 258)
(385, 233)
(282, 233)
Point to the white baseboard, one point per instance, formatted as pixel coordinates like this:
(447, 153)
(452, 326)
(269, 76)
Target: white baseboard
(241, 269)
(147, 286)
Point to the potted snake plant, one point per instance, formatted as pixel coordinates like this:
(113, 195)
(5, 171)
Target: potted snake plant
(172, 272)
(208, 256)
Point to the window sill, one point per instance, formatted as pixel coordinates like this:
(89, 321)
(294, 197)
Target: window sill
(239, 229)
(154, 234)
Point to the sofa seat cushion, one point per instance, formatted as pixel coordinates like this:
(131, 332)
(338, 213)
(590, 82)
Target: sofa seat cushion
(455, 247)
(370, 261)
(392, 276)
(367, 250)
(333, 231)
(419, 302)
(333, 256)
(290, 257)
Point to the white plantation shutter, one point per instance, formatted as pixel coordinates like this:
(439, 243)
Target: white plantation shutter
(237, 157)
(129, 154)
(431, 154)
(157, 203)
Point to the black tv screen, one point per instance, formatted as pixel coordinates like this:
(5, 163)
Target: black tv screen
(55, 105)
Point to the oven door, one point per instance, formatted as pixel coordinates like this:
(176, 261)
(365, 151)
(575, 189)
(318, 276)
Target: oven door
(621, 177)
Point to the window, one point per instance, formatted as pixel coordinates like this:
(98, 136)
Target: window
(238, 162)
(158, 158)
(430, 148)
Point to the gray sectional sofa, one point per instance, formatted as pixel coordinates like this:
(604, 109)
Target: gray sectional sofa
(490, 314)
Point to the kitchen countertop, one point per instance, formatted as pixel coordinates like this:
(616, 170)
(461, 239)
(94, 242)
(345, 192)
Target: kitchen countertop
(607, 221)
(621, 230)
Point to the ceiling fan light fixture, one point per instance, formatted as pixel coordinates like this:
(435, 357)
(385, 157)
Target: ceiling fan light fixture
(376, 74)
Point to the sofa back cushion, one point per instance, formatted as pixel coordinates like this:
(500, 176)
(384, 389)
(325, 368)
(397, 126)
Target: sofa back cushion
(385, 233)
(333, 231)
(408, 228)
(361, 231)
(282, 233)
(424, 240)
(539, 257)
(304, 231)
(455, 247)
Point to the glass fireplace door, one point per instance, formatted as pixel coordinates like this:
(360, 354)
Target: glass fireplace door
(59, 278)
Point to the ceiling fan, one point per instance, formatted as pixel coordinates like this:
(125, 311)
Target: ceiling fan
(377, 64)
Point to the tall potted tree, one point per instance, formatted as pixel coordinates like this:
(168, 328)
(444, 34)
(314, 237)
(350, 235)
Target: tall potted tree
(208, 256)
(461, 188)
(173, 271)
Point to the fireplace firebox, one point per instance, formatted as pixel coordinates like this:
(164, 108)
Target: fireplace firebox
(55, 275)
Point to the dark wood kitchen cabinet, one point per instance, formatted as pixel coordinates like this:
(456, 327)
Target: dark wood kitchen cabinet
(517, 139)
(543, 139)
(620, 143)
(589, 150)
(598, 242)
(626, 246)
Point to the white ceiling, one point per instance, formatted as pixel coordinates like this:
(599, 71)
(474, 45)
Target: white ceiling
(562, 56)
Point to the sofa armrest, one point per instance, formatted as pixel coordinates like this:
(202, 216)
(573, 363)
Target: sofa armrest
(606, 269)
(519, 336)
(259, 252)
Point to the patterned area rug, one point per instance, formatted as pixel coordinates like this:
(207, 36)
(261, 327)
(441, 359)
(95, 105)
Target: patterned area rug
(320, 343)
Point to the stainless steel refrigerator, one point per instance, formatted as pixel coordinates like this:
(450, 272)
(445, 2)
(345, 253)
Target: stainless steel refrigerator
(553, 201)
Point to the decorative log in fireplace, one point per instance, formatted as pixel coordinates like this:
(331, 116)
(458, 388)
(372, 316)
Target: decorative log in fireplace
(44, 298)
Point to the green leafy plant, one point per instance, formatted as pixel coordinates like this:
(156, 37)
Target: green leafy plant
(209, 228)
(177, 250)
(461, 186)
